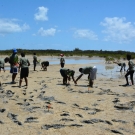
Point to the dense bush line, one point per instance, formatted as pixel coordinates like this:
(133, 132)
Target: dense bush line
(76, 51)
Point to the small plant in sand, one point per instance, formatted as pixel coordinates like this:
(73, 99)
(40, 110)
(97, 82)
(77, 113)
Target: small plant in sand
(49, 106)
(39, 61)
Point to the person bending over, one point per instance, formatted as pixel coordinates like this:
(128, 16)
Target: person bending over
(91, 72)
(123, 65)
(2, 63)
(44, 65)
(67, 74)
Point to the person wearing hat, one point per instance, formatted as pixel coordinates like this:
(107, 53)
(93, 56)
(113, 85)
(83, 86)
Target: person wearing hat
(62, 61)
(13, 60)
(91, 71)
(2, 65)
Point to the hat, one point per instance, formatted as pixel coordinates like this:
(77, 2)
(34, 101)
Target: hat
(61, 54)
(14, 51)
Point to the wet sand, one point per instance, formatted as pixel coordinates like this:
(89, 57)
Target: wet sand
(47, 107)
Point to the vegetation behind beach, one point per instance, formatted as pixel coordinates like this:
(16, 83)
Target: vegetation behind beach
(90, 53)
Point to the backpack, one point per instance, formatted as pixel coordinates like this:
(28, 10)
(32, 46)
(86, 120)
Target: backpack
(13, 59)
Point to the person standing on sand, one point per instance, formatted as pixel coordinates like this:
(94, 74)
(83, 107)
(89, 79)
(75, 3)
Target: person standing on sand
(13, 60)
(130, 70)
(66, 74)
(62, 61)
(44, 65)
(2, 65)
(123, 65)
(91, 71)
(24, 73)
(34, 61)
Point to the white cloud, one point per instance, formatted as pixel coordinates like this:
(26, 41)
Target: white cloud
(10, 26)
(42, 14)
(48, 32)
(85, 33)
(34, 34)
(118, 30)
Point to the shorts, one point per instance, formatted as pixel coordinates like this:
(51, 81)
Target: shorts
(34, 63)
(63, 73)
(93, 73)
(24, 72)
(14, 70)
(62, 65)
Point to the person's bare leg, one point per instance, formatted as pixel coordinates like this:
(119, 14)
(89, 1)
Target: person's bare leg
(64, 80)
(34, 67)
(91, 83)
(26, 81)
(13, 77)
(20, 83)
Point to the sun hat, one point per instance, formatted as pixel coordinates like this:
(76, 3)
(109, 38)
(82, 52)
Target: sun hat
(14, 50)
(61, 54)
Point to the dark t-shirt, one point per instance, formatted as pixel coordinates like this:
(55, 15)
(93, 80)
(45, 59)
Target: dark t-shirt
(86, 70)
(46, 63)
(68, 72)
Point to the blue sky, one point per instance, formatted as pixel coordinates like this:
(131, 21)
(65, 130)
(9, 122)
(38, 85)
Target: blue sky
(67, 24)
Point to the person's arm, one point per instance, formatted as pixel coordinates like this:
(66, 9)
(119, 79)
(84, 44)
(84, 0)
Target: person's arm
(20, 64)
(36, 59)
(78, 78)
(28, 62)
(73, 79)
(115, 62)
(19, 67)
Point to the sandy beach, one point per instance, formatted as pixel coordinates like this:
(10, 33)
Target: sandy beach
(47, 107)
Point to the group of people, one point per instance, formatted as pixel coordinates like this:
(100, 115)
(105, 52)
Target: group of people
(130, 70)
(22, 65)
(44, 64)
(68, 73)
(92, 71)
(18, 65)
